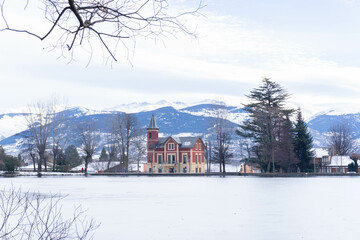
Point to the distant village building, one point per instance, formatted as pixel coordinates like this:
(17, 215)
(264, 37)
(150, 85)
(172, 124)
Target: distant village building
(249, 167)
(173, 154)
(335, 164)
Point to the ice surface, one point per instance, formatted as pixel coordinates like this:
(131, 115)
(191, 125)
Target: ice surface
(210, 207)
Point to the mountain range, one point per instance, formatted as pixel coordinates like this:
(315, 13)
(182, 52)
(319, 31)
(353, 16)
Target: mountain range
(172, 118)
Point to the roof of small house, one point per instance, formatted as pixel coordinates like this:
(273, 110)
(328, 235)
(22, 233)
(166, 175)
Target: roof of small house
(184, 142)
(338, 161)
(320, 152)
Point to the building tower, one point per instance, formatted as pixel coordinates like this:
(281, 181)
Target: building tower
(152, 133)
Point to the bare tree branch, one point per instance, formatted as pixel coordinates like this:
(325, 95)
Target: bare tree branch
(113, 19)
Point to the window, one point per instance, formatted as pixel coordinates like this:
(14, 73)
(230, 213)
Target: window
(200, 158)
(171, 158)
(171, 146)
(196, 170)
(196, 158)
(184, 169)
(199, 170)
(160, 158)
(184, 158)
(199, 146)
(196, 147)
(160, 170)
(149, 135)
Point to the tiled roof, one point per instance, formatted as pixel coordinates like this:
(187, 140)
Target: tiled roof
(184, 142)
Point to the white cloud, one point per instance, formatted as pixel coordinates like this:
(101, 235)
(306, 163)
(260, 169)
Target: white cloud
(230, 52)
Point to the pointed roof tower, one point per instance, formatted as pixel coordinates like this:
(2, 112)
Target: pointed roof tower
(153, 124)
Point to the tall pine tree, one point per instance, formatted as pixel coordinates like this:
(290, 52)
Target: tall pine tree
(303, 143)
(266, 110)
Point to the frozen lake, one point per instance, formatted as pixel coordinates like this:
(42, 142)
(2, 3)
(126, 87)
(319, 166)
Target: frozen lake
(210, 207)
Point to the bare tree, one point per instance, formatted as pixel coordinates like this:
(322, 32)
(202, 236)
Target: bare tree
(341, 141)
(89, 141)
(208, 154)
(40, 123)
(29, 148)
(126, 125)
(139, 151)
(112, 140)
(26, 215)
(74, 23)
(57, 137)
(223, 135)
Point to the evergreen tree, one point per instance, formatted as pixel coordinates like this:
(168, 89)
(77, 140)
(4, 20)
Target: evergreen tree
(266, 110)
(303, 143)
(2, 153)
(284, 153)
(11, 163)
(103, 155)
(2, 158)
(355, 166)
(71, 156)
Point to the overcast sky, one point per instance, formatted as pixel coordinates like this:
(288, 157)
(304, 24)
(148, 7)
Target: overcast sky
(310, 47)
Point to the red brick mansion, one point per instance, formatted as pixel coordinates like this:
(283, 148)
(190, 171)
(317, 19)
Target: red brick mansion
(174, 154)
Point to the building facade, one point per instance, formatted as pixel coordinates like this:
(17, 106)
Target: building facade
(173, 154)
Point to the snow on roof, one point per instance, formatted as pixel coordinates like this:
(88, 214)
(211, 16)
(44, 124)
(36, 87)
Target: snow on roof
(177, 139)
(340, 161)
(185, 142)
(320, 152)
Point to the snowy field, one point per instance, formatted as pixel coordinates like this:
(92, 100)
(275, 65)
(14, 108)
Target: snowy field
(210, 207)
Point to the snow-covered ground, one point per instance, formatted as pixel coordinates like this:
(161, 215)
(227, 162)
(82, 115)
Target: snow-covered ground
(210, 208)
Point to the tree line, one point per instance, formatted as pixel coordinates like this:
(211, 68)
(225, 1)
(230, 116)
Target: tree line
(274, 137)
(52, 135)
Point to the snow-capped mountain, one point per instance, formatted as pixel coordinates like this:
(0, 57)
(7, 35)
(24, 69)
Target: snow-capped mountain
(172, 118)
(11, 124)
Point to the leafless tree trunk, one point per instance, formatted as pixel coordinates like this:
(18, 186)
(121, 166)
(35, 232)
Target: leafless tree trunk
(75, 23)
(126, 132)
(58, 139)
(140, 149)
(208, 156)
(112, 140)
(131, 134)
(89, 141)
(30, 149)
(25, 215)
(340, 139)
(223, 134)
(40, 123)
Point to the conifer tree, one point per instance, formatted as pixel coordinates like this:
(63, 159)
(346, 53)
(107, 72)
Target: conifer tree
(303, 143)
(266, 110)
(103, 155)
(284, 152)
(71, 156)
